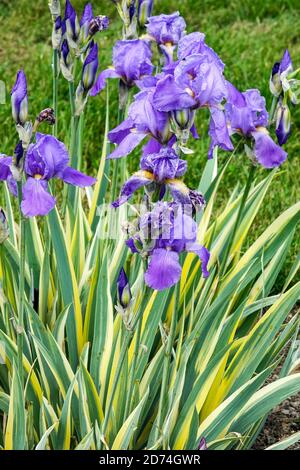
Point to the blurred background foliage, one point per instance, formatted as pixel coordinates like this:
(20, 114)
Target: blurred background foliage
(249, 36)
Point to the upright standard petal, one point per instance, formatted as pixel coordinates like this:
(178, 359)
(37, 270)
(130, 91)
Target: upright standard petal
(267, 153)
(51, 152)
(166, 28)
(36, 198)
(164, 269)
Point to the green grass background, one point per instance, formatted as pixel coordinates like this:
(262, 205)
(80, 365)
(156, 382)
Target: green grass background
(249, 36)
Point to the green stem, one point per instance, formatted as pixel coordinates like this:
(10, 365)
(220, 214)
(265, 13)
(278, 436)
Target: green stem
(55, 90)
(238, 219)
(20, 326)
(133, 367)
(166, 369)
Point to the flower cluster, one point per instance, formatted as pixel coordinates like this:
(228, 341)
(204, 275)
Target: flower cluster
(190, 77)
(39, 157)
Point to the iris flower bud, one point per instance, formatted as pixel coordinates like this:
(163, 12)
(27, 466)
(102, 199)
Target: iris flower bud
(19, 99)
(145, 8)
(124, 292)
(85, 21)
(66, 61)
(4, 230)
(72, 23)
(283, 123)
(90, 67)
(57, 33)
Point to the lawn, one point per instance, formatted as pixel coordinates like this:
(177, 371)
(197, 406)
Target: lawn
(249, 36)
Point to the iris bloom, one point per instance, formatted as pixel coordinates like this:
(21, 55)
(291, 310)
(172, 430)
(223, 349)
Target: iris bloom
(143, 120)
(46, 159)
(163, 234)
(131, 62)
(166, 30)
(246, 114)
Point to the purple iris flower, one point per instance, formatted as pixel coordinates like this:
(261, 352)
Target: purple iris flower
(46, 159)
(90, 67)
(71, 20)
(197, 81)
(194, 43)
(218, 132)
(158, 170)
(144, 11)
(143, 120)
(166, 28)
(19, 99)
(131, 62)
(246, 114)
(267, 153)
(166, 232)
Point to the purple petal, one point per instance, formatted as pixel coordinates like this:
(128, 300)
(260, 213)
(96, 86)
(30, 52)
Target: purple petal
(218, 131)
(5, 163)
(168, 96)
(51, 152)
(268, 154)
(76, 178)
(119, 133)
(101, 81)
(130, 142)
(36, 199)
(87, 14)
(136, 181)
(132, 60)
(164, 269)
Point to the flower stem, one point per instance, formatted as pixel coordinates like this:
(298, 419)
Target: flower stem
(166, 369)
(20, 326)
(238, 218)
(273, 109)
(133, 367)
(55, 90)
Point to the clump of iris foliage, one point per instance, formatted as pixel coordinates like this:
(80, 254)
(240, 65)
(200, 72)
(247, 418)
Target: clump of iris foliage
(143, 326)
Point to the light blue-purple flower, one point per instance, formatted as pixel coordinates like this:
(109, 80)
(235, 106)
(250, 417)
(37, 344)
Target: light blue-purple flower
(164, 233)
(246, 114)
(218, 132)
(166, 28)
(144, 120)
(46, 159)
(19, 99)
(131, 62)
(160, 170)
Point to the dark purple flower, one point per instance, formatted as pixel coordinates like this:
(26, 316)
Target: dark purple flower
(159, 170)
(72, 23)
(166, 28)
(90, 67)
(144, 11)
(218, 132)
(267, 153)
(98, 24)
(124, 291)
(19, 99)
(65, 53)
(143, 120)
(46, 159)
(283, 123)
(131, 62)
